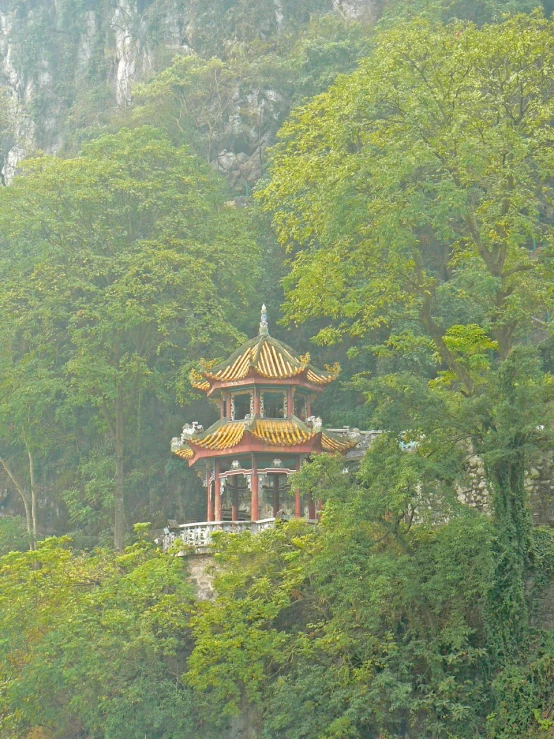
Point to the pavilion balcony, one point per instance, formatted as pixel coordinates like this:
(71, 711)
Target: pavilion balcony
(197, 538)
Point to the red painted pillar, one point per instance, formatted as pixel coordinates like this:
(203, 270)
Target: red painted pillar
(290, 405)
(275, 495)
(256, 401)
(210, 502)
(218, 514)
(235, 498)
(311, 509)
(297, 498)
(254, 509)
(308, 406)
(227, 405)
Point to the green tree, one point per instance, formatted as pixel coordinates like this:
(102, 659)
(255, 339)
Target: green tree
(14, 535)
(30, 390)
(94, 644)
(477, 11)
(416, 199)
(367, 626)
(131, 255)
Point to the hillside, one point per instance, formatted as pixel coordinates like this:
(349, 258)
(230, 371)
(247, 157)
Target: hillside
(380, 176)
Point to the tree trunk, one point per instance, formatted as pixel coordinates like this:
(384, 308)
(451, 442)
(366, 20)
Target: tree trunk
(507, 608)
(119, 479)
(33, 494)
(24, 498)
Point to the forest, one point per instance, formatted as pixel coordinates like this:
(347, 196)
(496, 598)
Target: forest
(385, 184)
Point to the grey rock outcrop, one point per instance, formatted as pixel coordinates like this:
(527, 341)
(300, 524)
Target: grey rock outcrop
(358, 9)
(59, 65)
(51, 59)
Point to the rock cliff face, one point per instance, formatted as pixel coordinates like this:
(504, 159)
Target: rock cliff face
(65, 63)
(62, 58)
(357, 9)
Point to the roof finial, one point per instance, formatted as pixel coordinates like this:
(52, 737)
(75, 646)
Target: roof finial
(264, 331)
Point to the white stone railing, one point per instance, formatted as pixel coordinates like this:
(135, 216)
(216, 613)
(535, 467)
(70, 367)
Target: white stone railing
(198, 536)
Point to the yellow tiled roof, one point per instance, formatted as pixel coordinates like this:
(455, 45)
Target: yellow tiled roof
(331, 444)
(185, 452)
(225, 436)
(268, 358)
(274, 360)
(280, 432)
(198, 381)
(271, 431)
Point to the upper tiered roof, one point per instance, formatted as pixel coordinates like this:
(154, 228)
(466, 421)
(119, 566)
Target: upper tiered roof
(263, 358)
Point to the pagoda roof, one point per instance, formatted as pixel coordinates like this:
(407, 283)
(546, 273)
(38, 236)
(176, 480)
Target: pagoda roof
(263, 357)
(280, 432)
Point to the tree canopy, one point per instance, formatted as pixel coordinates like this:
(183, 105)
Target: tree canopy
(127, 261)
(407, 209)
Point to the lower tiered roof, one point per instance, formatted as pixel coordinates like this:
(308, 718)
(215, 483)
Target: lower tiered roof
(278, 432)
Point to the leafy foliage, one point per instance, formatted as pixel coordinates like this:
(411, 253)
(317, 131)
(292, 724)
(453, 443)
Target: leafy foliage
(105, 637)
(357, 629)
(414, 196)
(119, 261)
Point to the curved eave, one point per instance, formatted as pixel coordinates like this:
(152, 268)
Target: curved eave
(332, 445)
(202, 385)
(185, 452)
(250, 445)
(318, 443)
(255, 378)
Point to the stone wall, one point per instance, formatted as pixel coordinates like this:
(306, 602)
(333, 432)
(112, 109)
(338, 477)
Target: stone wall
(201, 569)
(539, 483)
(540, 486)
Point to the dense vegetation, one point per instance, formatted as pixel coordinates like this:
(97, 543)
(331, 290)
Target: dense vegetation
(404, 220)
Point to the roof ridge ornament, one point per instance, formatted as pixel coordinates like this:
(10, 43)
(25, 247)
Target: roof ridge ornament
(264, 329)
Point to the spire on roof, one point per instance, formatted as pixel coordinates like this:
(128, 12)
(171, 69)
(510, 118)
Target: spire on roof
(264, 330)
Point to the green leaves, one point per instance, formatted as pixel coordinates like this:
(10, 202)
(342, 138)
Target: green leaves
(103, 635)
(123, 262)
(428, 162)
(365, 625)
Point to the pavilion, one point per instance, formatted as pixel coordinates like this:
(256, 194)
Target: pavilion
(265, 431)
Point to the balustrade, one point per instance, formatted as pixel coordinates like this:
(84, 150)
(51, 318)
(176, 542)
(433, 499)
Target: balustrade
(198, 536)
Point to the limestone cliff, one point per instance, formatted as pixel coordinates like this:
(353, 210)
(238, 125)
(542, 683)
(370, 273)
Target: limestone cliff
(66, 63)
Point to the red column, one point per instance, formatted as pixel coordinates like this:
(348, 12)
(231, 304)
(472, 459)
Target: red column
(235, 498)
(210, 503)
(275, 495)
(308, 406)
(290, 406)
(218, 515)
(254, 510)
(311, 509)
(256, 401)
(297, 498)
